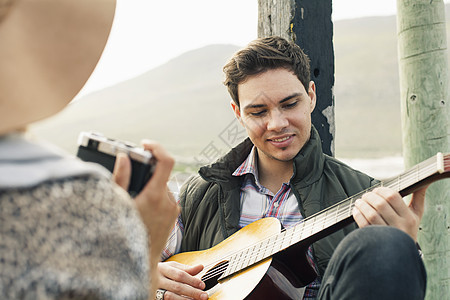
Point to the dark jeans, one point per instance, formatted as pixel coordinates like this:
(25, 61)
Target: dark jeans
(375, 262)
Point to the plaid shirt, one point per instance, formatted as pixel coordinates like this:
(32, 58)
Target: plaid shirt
(257, 202)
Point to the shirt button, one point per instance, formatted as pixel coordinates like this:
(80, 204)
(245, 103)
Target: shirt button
(276, 204)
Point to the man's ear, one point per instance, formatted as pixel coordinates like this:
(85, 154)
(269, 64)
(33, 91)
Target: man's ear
(312, 94)
(236, 110)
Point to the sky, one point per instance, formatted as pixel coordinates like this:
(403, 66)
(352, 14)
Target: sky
(148, 33)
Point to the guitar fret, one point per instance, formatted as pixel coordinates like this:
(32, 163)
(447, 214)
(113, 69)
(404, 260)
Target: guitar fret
(283, 239)
(313, 220)
(336, 215)
(252, 258)
(350, 207)
(244, 260)
(241, 260)
(255, 255)
(280, 240)
(233, 263)
(301, 227)
(306, 228)
(272, 243)
(286, 240)
(294, 234)
(260, 253)
(322, 222)
(290, 233)
(403, 181)
(417, 173)
(276, 244)
(266, 248)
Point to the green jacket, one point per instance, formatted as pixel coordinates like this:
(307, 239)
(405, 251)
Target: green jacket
(210, 203)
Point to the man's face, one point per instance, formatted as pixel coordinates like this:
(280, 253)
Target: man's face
(276, 111)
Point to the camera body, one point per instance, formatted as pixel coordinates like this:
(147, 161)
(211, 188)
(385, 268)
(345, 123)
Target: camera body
(94, 147)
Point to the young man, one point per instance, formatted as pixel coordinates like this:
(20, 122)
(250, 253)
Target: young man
(280, 171)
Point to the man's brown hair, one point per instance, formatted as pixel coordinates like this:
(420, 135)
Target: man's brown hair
(265, 54)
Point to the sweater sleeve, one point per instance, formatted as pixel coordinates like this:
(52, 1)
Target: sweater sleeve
(73, 238)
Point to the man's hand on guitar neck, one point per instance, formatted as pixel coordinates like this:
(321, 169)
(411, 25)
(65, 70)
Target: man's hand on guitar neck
(178, 280)
(384, 206)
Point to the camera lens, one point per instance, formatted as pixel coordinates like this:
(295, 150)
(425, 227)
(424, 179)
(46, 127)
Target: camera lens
(93, 144)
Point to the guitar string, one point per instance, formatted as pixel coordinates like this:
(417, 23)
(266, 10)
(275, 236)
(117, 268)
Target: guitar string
(347, 203)
(406, 178)
(266, 240)
(277, 243)
(257, 256)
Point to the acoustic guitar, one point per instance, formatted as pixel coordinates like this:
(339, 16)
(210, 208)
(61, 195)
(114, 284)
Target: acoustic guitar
(257, 261)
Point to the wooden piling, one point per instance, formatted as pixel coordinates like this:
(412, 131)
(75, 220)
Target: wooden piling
(425, 113)
(308, 23)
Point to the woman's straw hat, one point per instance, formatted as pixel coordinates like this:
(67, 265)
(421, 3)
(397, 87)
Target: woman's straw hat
(48, 49)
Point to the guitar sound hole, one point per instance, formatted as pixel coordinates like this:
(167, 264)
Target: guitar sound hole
(211, 277)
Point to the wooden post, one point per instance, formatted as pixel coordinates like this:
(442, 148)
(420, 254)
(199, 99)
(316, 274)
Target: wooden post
(307, 23)
(425, 113)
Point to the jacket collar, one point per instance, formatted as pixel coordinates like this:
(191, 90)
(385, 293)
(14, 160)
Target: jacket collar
(221, 171)
(308, 163)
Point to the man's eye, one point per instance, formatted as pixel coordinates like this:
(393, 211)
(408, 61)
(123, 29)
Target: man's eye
(292, 104)
(258, 113)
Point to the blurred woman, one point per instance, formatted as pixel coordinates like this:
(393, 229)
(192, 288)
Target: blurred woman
(66, 230)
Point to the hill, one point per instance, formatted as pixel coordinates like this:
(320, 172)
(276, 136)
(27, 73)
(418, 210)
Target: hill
(184, 105)
(367, 91)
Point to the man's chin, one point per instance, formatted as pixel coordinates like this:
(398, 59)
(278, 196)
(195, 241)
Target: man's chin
(285, 157)
(281, 154)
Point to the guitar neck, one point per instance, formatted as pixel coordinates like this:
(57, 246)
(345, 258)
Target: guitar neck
(337, 216)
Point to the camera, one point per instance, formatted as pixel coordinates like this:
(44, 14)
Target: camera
(95, 147)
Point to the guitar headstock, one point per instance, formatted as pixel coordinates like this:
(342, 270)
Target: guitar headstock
(443, 160)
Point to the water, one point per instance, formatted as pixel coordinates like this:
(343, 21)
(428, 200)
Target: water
(380, 168)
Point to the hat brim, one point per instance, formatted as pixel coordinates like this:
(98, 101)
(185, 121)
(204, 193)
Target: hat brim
(48, 50)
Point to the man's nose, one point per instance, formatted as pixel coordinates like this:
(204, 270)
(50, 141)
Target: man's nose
(277, 121)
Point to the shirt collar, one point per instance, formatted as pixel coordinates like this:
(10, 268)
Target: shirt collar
(249, 166)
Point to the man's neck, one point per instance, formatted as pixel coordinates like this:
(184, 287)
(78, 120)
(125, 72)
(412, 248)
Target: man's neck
(273, 173)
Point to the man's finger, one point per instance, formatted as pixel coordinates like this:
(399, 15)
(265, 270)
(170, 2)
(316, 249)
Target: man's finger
(182, 273)
(179, 279)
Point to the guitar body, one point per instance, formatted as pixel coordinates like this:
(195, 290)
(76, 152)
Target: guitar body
(271, 278)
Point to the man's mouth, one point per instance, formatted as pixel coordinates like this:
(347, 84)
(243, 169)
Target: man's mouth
(280, 139)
